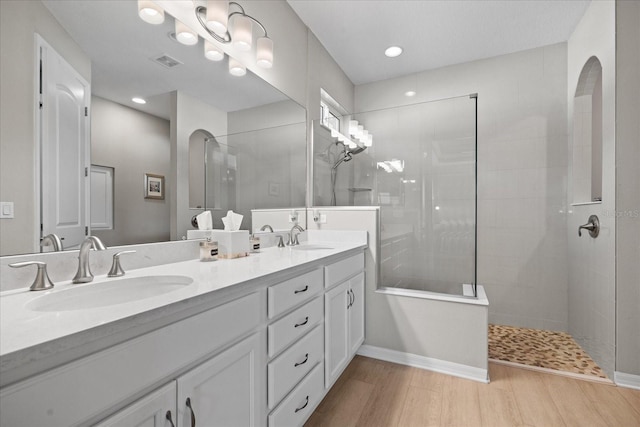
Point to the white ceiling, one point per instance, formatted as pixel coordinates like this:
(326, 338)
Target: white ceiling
(433, 33)
(121, 47)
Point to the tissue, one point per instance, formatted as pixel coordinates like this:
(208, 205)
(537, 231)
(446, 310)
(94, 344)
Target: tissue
(204, 221)
(232, 221)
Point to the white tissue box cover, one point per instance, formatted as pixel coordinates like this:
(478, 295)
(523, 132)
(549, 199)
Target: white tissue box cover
(231, 244)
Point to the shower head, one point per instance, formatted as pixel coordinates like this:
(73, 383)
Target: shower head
(356, 150)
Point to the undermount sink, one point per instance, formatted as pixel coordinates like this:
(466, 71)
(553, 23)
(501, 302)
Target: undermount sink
(310, 247)
(107, 293)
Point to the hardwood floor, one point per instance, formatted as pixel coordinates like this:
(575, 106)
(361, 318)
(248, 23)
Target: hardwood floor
(375, 393)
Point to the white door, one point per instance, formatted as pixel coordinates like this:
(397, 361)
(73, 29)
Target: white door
(64, 145)
(157, 409)
(225, 390)
(336, 332)
(356, 314)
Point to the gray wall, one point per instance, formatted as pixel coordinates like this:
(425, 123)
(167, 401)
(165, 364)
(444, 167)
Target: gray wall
(19, 21)
(592, 279)
(522, 160)
(627, 186)
(133, 143)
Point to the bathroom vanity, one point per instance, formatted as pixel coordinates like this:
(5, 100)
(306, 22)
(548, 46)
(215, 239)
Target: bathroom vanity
(254, 341)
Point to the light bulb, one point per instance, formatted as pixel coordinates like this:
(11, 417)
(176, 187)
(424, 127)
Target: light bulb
(242, 37)
(218, 16)
(212, 52)
(185, 35)
(236, 68)
(150, 12)
(264, 54)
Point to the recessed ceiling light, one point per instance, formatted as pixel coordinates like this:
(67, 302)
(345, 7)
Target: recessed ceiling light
(393, 51)
(410, 93)
(139, 100)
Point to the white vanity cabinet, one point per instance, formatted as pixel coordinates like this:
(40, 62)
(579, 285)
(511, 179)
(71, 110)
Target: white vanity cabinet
(218, 392)
(344, 314)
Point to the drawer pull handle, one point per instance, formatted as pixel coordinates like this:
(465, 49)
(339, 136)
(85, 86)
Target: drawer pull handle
(303, 406)
(297, 291)
(193, 413)
(306, 358)
(168, 417)
(306, 320)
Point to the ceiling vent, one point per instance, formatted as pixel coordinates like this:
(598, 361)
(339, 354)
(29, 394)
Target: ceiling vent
(166, 61)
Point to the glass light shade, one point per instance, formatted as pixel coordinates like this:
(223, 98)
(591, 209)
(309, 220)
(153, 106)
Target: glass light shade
(264, 54)
(359, 131)
(150, 12)
(185, 35)
(369, 141)
(364, 136)
(236, 68)
(218, 16)
(242, 37)
(212, 52)
(353, 127)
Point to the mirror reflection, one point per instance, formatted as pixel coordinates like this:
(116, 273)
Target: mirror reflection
(201, 139)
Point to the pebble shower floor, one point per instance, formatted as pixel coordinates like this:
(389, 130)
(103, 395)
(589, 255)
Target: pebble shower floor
(556, 351)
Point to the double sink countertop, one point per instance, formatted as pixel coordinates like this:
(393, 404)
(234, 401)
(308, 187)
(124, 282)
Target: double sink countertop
(37, 335)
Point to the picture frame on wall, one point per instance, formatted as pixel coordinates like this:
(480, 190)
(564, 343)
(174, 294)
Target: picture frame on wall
(153, 186)
(274, 189)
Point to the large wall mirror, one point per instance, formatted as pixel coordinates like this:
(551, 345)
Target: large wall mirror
(204, 139)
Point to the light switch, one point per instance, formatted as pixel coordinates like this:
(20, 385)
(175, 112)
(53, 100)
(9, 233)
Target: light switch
(6, 209)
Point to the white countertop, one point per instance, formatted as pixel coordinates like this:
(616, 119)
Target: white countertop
(46, 339)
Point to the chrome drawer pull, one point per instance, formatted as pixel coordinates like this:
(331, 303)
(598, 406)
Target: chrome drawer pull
(306, 358)
(306, 320)
(303, 406)
(301, 290)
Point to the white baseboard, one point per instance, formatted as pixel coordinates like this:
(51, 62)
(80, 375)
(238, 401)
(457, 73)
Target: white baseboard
(626, 380)
(423, 362)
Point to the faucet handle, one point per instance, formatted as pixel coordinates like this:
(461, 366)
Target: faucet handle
(280, 241)
(42, 281)
(116, 268)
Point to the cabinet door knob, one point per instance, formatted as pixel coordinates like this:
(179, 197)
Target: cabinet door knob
(306, 357)
(168, 417)
(306, 320)
(303, 406)
(297, 291)
(193, 413)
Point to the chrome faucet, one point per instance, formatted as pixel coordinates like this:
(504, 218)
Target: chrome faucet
(52, 240)
(266, 226)
(293, 238)
(83, 274)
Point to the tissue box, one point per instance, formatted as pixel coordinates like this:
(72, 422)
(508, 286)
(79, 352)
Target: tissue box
(231, 244)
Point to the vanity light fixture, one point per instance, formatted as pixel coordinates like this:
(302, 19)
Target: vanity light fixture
(150, 12)
(235, 27)
(138, 100)
(393, 51)
(224, 26)
(358, 132)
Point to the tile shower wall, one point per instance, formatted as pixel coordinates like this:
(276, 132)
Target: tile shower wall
(522, 177)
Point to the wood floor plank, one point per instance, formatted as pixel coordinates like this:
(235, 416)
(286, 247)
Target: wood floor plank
(631, 396)
(374, 393)
(498, 407)
(611, 405)
(460, 403)
(573, 404)
(428, 380)
(531, 395)
(422, 408)
(385, 406)
(350, 402)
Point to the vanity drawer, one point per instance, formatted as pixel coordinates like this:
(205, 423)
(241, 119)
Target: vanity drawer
(285, 295)
(294, 325)
(296, 408)
(291, 366)
(341, 270)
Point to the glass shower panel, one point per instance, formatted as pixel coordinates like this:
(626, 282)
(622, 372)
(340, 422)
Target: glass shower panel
(424, 179)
